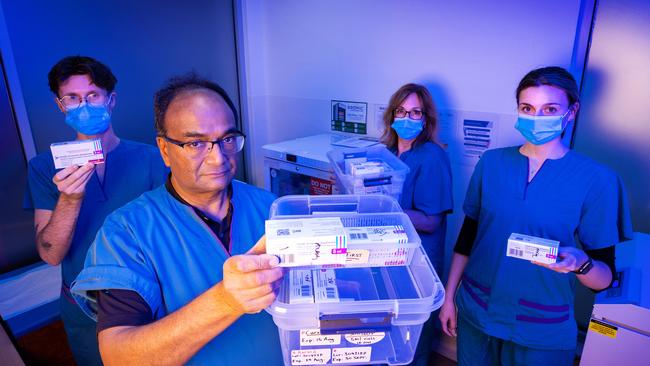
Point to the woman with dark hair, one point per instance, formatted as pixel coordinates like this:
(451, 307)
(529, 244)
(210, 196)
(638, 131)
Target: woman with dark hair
(410, 131)
(512, 311)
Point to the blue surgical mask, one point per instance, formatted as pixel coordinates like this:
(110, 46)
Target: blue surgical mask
(89, 119)
(407, 128)
(539, 130)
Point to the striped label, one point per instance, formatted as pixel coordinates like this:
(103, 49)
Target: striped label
(603, 328)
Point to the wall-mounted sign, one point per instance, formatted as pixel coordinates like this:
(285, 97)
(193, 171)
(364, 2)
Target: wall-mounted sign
(349, 116)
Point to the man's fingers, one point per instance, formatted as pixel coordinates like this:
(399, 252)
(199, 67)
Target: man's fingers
(256, 292)
(75, 174)
(61, 175)
(259, 304)
(452, 326)
(79, 185)
(261, 277)
(249, 263)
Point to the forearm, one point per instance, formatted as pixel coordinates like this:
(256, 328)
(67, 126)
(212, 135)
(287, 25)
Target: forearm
(598, 278)
(53, 239)
(174, 339)
(458, 263)
(423, 222)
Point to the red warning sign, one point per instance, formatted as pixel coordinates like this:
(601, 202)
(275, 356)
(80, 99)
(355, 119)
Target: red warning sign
(320, 186)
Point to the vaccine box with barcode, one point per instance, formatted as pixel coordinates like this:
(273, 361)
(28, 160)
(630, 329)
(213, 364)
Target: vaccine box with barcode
(78, 152)
(366, 310)
(532, 248)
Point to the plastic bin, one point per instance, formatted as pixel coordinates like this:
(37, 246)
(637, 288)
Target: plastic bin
(389, 182)
(374, 314)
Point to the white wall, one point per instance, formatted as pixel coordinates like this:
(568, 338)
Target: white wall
(298, 55)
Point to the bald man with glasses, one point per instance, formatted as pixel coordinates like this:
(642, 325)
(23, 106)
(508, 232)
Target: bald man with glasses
(178, 275)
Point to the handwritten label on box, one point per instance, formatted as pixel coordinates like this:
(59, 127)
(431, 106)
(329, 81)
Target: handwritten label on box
(311, 356)
(351, 354)
(312, 337)
(365, 338)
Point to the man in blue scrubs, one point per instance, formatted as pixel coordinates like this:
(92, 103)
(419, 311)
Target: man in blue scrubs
(175, 276)
(70, 205)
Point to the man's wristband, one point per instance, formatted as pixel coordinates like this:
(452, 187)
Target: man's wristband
(585, 267)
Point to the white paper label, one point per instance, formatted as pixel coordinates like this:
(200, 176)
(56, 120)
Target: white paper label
(389, 256)
(309, 241)
(365, 338)
(357, 256)
(351, 354)
(394, 234)
(312, 337)
(319, 356)
(325, 289)
(302, 287)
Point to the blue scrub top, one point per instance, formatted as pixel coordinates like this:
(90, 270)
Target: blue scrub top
(158, 247)
(130, 169)
(427, 188)
(571, 197)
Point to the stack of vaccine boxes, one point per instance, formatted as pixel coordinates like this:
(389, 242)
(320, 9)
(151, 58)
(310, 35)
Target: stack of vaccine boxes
(358, 284)
(372, 170)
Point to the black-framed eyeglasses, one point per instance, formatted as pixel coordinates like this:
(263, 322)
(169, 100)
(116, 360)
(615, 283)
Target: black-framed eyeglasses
(94, 99)
(229, 145)
(415, 114)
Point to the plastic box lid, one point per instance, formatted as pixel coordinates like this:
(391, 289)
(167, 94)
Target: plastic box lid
(388, 182)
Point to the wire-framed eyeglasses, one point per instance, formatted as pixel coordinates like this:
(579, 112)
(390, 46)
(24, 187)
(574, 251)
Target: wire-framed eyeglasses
(229, 145)
(94, 99)
(415, 114)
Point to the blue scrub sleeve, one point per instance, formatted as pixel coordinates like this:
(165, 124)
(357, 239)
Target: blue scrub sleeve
(432, 193)
(41, 192)
(604, 219)
(472, 204)
(115, 261)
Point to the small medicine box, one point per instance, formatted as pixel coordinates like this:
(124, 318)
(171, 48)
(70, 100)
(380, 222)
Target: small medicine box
(532, 248)
(371, 170)
(364, 311)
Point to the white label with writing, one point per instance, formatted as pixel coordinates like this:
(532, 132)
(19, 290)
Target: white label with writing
(302, 287)
(325, 289)
(351, 354)
(312, 337)
(389, 256)
(357, 256)
(319, 356)
(365, 338)
(308, 241)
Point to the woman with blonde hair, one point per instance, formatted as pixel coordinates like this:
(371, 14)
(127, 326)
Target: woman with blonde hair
(410, 131)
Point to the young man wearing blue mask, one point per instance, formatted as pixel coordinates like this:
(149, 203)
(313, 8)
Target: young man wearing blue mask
(71, 204)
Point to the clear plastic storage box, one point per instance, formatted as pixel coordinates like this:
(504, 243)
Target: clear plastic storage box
(353, 314)
(379, 171)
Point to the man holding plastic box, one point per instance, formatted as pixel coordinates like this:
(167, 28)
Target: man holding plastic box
(102, 173)
(176, 274)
